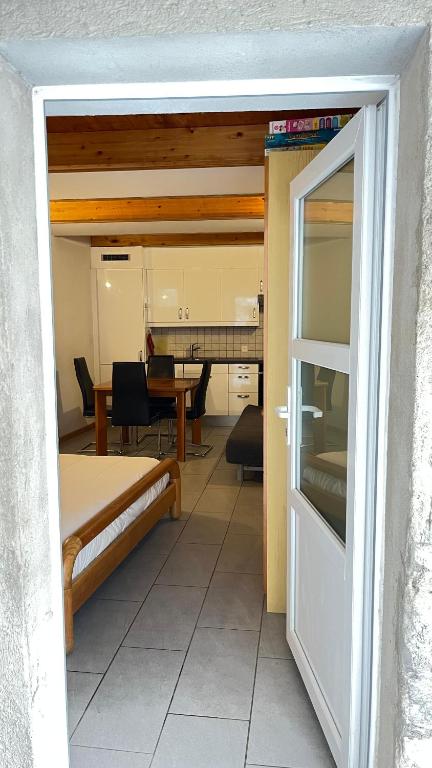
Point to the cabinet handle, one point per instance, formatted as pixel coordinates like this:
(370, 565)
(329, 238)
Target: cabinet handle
(187, 313)
(243, 367)
(140, 356)
(243, 377)
(261, 286)
(180, 313)
(254, 313)
(243, 397)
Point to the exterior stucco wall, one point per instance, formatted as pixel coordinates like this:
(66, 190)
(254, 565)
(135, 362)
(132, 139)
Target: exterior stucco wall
(32, 667)
(117, 18)
(405, 717)
(413, 344)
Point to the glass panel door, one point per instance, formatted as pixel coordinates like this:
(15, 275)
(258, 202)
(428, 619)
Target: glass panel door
(332, 210)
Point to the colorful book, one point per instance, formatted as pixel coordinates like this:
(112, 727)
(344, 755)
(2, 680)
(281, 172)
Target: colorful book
(299, 124)
(307, 138)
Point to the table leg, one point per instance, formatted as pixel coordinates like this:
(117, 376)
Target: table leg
(125, 435)
(196, 431)
(181, 426)
(101, 423)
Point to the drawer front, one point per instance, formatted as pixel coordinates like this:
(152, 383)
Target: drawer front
(243, 367)
(243, 382)
(238, 401)
(178, 370)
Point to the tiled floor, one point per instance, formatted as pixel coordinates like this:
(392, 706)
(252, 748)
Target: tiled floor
(176, 665)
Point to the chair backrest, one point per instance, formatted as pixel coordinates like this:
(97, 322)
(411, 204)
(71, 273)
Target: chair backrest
(86, 386)
(198, 408)
(130, 399)
(160, 367)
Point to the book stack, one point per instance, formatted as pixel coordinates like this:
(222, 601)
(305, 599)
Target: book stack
(304, 133)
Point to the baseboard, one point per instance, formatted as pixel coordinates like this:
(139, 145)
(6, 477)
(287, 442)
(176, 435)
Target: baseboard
(76, 432)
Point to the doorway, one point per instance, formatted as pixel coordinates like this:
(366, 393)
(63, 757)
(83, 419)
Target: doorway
(44, 211)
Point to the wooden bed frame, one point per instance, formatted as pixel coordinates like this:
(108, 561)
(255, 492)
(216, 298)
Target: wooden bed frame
(76, 592)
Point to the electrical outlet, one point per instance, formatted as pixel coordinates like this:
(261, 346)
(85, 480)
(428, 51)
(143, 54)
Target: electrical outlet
(244, 347)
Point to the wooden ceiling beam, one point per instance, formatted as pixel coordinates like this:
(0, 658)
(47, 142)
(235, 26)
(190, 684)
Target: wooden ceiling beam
(178, 239)
(153, 149)
(195, 208)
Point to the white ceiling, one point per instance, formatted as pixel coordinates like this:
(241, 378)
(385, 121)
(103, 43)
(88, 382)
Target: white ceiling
(139, 228)
(171, 183)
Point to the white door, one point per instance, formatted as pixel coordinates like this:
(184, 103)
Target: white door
(240, 288)
(165, 296)
(329, 399)
(202, 295)
(120, 315)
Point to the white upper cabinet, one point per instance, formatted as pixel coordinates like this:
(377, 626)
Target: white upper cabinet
(198, 286)
(240, 289)
(120, 314)
(202, 295)
(165, 296)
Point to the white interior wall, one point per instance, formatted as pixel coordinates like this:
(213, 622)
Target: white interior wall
(72, 324)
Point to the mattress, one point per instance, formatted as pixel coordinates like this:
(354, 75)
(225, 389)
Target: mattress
(324, 480)
(89, 483)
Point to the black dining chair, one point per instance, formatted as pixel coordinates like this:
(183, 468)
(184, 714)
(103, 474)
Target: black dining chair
(198, 407)
(162, 367)
(131, 405)
(85, 383)
(196, 410)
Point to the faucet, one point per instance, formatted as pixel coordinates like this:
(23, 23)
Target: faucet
(193, 349)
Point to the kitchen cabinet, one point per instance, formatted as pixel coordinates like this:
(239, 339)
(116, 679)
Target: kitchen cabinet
(201, 296)
(120, 315)
(239, 289)
(216, 286)
(217, 392)
(165, 296)
(231, 387)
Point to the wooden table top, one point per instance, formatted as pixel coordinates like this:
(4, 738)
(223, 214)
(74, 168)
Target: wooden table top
(159, 387)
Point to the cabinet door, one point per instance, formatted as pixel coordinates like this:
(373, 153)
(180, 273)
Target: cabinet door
(120, 314)
(240, 296)
(165, 296)
(202, 295)
(217, 395)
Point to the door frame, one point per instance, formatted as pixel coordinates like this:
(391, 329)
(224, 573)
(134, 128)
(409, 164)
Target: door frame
(379, 88)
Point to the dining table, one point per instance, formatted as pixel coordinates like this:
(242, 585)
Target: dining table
(171, 388)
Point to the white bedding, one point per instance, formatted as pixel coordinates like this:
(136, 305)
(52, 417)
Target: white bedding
(89, 483)
(324, 480)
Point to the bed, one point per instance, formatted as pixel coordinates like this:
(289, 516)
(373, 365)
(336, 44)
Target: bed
(323, 481)
(108, 503)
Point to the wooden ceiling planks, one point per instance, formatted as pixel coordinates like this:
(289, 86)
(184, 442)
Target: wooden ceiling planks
(147, 142)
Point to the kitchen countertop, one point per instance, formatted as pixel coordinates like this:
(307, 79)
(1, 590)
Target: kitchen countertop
(219, 360)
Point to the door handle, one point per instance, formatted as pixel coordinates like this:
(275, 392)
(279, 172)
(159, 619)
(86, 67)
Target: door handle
(282, 412)
(180, 313)
(316, 412)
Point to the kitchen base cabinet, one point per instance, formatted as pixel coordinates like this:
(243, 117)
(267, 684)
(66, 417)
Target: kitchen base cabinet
(217, 392)
(237, 401)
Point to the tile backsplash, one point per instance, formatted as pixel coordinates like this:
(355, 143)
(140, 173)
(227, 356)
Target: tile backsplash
(213, 342)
